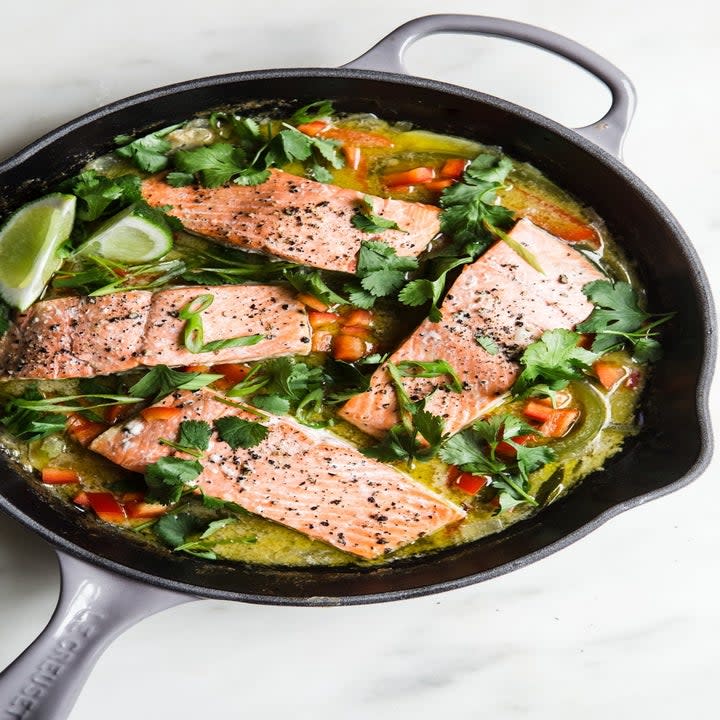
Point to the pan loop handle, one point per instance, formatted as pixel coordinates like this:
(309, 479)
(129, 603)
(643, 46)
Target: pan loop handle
(608, 132)
(95, 606)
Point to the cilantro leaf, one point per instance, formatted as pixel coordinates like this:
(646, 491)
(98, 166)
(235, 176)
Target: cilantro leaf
(380, 269)
(215, 164)
(618, 319)
(312, 111)
(475, 450)
(418, 292)
(431, 369)
(149, 153)
(179, 179)
(251, 176)
(469, 214)
(173, 529)
(98, 195)
(194, 434)
(312, 283)
(554, 359)
(168, 477)
(320, 173)
(359, 297)
(364, 219)
(274, 404)
(161, 381)
(237, 432)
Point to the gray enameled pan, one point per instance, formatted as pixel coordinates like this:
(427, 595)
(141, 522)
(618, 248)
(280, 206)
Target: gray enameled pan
(109, 583)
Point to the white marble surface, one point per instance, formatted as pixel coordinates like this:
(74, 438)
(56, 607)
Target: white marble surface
(622, 624)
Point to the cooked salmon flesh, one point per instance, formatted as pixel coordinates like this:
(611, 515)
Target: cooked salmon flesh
(76, 337)
(500, 301)
(308, 480)
(294, 218)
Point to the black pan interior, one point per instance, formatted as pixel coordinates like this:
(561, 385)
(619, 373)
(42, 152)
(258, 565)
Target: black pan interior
(672, 448)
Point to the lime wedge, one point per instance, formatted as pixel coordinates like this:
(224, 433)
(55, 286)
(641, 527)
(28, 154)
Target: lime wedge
(29, 243)
(129, 237)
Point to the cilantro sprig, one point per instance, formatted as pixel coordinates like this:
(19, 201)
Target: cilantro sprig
(365, 219)
(417, 435)
(150, 152)
(554, 360)
(240, 433)
(618, 320)
(161, 381)
(475, 450)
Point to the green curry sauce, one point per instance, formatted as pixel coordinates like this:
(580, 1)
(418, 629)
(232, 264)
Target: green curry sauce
(607, 415)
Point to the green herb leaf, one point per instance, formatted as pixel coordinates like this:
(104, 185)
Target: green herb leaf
(380, 269)
(179, 179)
(364, 219)
(312, 283)
(251, 176)
(149, 153)
(215, 164)
(431, 369)
(319, 173)
(161, 381)
(173, 529)
(418, 292)
(99, 195)
(237, 432)
(168, 477)
(554, 359)
(274, 404)
(313, 111)
(29, 423)
(618, 319)
(469, 214)
(194, 434)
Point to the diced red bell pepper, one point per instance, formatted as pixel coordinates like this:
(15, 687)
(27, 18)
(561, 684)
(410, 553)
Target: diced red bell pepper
(113, 413)
(439, 185)
(106, 507)
(196, 368)
(161, 413)
(505, 449)
(453, 168)
(82, 499)
(560, 422)
(364, 318)
(537, 410)
(59, 476)
(313, 128)
(322, 319)
(416, 176)
(562, 399)
(353, 156)
(357, 138)
(82, 430)
(609, 373)
(232, 372)
(312, 302)
(348, 348)
(465, 481)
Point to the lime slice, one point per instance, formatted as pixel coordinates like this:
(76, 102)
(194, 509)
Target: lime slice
(29, 243)
(129, 237)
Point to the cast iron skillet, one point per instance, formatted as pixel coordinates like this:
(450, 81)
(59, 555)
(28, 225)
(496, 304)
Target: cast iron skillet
(109, 582)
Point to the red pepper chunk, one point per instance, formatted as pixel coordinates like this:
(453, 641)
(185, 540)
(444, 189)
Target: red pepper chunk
(106, 507)
(454, 168)
(416, 176)
(465, 481)
(59, 476)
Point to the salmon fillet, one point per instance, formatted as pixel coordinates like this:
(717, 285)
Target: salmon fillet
(308, 480)
(500, 297)
(293, 218)
(76, 337)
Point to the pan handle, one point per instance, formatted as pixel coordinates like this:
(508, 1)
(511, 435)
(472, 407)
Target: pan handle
(608, 132)
(95, 606)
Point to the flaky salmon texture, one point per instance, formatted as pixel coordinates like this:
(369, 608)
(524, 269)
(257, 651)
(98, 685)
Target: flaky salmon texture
(305, 479)
(294, 218)
(75, 337)
(500, 298)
